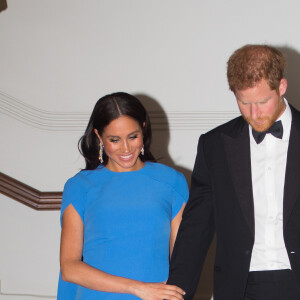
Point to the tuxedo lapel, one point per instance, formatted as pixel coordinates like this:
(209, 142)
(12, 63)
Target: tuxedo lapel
(237, 145)
(292, 174)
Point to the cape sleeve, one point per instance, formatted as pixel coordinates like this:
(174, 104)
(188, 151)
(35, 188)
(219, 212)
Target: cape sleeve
(181, 194)
(74, 193)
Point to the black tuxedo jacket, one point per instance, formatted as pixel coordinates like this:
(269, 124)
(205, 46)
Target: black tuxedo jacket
(221, 202)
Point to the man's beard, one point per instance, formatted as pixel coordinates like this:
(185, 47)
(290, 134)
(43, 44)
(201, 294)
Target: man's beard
(267, 122)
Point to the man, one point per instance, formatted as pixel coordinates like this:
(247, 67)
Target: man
(246, 189)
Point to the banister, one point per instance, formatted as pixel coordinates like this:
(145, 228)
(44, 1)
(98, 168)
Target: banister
(29, 196)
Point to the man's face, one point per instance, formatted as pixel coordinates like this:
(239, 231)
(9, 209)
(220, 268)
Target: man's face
(261, 106)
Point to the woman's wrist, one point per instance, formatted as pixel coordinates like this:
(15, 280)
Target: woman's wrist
(135, 286)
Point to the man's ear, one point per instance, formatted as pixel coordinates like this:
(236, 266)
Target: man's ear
(282, 86)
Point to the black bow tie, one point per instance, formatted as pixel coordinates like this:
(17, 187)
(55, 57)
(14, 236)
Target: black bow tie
(276, 129)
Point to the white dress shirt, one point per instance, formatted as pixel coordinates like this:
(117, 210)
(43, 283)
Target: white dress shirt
(268, 164)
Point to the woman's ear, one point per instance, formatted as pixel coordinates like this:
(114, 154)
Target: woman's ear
(98, 135)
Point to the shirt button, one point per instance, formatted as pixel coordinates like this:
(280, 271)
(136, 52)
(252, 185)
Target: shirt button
(269, 168)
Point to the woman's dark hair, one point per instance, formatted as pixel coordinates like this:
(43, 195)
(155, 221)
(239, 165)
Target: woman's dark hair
(107, 109)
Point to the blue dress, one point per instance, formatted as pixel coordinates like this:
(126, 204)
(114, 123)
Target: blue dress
(127, 223)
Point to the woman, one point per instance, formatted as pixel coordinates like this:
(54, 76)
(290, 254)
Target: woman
(120, 215)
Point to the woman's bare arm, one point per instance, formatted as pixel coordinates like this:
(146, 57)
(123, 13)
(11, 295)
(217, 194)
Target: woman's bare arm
(174, 228)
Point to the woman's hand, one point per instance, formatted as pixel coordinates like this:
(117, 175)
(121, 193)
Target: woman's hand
(158, 291)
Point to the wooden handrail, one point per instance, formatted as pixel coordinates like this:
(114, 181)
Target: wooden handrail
(29, 196)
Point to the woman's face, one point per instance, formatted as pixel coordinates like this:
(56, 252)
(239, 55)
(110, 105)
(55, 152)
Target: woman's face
(122, 139)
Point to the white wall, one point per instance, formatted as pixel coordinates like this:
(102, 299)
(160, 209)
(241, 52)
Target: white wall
(58, 57)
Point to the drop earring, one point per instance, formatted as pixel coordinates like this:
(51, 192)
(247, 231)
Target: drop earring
(142, 151)
(101, 153)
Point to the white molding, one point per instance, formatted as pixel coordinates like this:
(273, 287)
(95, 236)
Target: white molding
(42, 119)
(76, 121)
